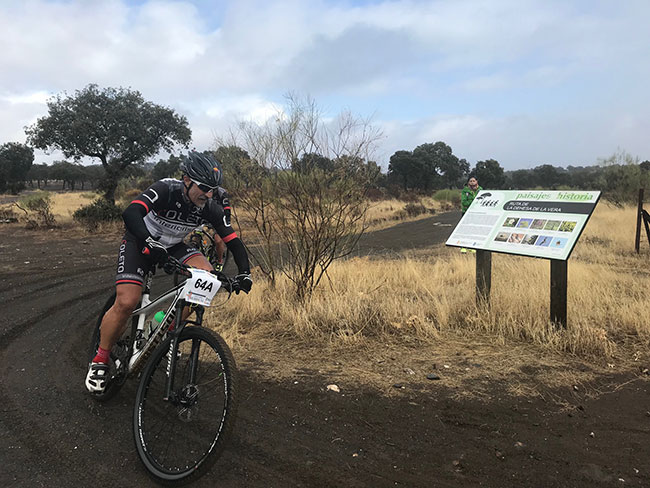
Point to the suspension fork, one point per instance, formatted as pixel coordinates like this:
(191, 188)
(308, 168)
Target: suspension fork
(173, 347)
(194, 361)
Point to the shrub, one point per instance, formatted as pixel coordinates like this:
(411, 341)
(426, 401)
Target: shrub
(415, 209)
(410, 197)
(130, 187)
(393, 191)
(375, 194)
(101, 210)
(130, 194)
(7, 215)
(38, 210)
(447, 195)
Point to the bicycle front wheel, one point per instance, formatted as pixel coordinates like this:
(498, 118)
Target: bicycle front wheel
(180, 438)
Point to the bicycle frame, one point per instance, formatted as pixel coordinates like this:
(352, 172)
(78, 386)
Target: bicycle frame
(146, 307)
(175, 310)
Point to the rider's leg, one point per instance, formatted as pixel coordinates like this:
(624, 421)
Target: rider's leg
(113, 324)
(115, 320)
(131, 268)
(201, 262)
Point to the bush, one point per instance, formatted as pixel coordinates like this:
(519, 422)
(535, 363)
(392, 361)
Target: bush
(130, 187)
(101, 210)
(38, 210)
(415, 209)
(410, 196)
(8, 215)
(375, 194)
(451, 196)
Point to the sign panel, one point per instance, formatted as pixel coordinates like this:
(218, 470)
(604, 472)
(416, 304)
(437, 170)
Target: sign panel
(542, 224)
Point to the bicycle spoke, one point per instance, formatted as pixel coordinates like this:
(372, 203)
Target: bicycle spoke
(178, 434)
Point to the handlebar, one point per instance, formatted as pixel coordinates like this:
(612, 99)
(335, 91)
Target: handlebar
(173, 265)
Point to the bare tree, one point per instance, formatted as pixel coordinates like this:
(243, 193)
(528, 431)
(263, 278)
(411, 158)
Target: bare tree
(305, 219)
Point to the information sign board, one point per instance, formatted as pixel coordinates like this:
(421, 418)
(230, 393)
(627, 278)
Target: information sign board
(542, 224)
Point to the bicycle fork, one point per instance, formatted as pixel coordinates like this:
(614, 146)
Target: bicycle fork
(187, 394)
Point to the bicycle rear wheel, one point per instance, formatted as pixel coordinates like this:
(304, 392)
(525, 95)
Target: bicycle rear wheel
(179, 439)
(119, 353)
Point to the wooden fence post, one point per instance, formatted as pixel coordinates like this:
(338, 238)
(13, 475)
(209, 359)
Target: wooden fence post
(483, 276)
(559, 292)
(639, 215)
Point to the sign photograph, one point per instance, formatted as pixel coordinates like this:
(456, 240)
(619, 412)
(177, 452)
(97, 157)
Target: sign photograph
(543, 224)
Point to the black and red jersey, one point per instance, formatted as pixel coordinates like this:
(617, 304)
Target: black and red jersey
(170, 215)
(164, 212)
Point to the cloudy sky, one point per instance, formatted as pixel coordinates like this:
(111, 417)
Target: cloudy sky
(525, 82)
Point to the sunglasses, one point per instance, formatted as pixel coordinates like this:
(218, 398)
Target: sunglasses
(204, 188)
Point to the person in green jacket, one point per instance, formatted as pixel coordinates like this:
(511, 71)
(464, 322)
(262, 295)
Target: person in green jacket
(467, 196)
(469, 193)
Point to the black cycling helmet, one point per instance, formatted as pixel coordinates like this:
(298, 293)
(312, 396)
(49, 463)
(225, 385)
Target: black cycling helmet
(202, 168)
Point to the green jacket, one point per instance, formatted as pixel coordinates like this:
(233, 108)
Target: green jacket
(467, 197)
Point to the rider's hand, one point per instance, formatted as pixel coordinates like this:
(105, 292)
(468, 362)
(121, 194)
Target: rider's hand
(243, 282)
(169, 267)
(155, 250)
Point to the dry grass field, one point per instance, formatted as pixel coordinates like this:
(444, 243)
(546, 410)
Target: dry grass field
(381, 214)
(372, 310)
(62, 205)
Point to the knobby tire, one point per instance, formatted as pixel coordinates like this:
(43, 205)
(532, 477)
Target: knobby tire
(179, 442)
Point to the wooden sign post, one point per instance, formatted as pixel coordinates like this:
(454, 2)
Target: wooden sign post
(542, 224)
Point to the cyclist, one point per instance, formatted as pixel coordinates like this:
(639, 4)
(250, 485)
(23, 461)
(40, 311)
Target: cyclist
(156, 223)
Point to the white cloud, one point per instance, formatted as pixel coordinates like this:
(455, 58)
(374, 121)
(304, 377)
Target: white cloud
(526, 141)
(480, 75)
(38, 97)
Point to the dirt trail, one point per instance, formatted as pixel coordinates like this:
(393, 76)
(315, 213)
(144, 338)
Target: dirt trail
(292, 433)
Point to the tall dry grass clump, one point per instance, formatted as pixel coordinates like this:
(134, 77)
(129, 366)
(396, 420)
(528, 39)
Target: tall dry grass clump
(427, 298)
(385, 213)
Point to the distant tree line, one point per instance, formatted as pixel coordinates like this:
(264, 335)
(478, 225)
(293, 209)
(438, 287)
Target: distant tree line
(427, 168)
(122, 131)
(433, 166)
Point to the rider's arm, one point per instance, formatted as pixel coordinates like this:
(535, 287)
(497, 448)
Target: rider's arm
(133, 220)
(224, 198)
(148, 200)
(229, 236)
(236, 247)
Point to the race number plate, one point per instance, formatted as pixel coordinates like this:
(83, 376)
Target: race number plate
(201, 287)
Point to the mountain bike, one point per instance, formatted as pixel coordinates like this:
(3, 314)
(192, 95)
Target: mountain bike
(186, 399)
(202, 238)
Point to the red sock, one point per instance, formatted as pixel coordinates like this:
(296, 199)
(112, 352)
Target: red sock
(103, 356)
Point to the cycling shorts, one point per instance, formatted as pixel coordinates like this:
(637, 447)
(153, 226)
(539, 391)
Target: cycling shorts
(132, 265)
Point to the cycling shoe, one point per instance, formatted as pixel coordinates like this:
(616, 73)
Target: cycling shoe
(97, 377)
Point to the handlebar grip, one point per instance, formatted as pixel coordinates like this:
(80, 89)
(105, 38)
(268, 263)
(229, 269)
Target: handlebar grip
(226, 283)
